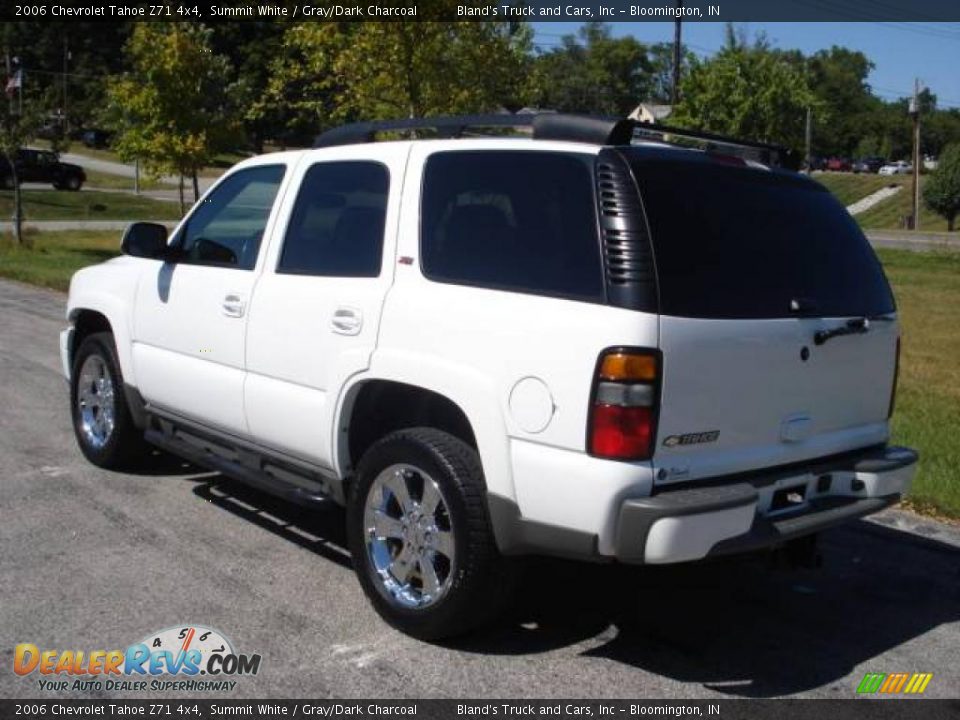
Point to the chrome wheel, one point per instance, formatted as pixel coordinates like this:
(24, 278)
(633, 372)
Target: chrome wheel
(95, 402)
(409, 536)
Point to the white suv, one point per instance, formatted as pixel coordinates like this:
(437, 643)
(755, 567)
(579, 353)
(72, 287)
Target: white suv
(576, 342)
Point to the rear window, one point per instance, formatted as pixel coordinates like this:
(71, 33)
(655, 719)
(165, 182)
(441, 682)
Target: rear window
(735, 242)
(512, 220)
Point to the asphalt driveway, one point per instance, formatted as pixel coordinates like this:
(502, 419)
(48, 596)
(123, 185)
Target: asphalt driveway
(98, 560)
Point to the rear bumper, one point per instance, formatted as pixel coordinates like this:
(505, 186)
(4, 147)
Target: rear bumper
(679, 525)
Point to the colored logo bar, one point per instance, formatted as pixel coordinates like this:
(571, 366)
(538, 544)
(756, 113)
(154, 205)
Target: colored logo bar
(893, 683)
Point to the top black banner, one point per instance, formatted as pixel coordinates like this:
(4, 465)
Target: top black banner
(925, 11)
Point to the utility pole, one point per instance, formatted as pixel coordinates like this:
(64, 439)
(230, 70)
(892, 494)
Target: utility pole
(808, 135)
(915, 114)
(66, 56)
(675, 89)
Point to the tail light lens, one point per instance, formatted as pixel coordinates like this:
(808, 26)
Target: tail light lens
(623, 407)
(896, 377)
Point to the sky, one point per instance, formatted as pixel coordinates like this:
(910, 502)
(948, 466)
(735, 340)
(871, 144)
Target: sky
(899, 51)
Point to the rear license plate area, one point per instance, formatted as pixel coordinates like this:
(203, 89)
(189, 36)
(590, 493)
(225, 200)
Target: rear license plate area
(788, 498)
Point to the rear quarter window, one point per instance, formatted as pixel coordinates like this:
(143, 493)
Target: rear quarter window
(739, 242)
(521, 221)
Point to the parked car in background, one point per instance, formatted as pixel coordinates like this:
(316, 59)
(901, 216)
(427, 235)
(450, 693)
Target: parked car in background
(900, 167)
(42, 166)
(96, 138)
(838, 164)
(869, 164)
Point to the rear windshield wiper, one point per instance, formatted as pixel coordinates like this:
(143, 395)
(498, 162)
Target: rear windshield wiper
(854, 326)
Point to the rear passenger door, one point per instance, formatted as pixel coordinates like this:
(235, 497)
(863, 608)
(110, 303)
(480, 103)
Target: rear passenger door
(315, 312)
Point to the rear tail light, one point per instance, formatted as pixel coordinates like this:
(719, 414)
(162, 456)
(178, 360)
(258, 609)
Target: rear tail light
(623, 407)
(896, 377)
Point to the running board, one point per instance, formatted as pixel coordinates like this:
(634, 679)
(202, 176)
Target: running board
(243, 462)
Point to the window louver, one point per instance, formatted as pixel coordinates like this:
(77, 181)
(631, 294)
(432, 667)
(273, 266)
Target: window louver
(628, 259)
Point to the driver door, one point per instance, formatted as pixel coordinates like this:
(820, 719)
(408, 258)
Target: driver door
(191, 312)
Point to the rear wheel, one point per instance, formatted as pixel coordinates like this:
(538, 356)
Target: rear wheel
(420, 535)
(102, 422)
(7, 182)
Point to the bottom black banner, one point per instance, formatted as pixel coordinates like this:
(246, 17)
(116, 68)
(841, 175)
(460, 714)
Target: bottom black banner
(892, 709)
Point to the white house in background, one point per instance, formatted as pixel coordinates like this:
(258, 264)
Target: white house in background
(649, 113)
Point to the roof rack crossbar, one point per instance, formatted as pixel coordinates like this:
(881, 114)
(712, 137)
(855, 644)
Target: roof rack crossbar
(548, 126)
(642, 129)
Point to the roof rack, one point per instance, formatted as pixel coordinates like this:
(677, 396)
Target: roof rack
(767, 153)
(557, 126)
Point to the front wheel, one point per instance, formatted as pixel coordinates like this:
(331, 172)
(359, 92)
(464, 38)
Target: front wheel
(420, 535)
(102, 422)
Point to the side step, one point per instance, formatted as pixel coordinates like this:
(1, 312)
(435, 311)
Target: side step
(245, 463)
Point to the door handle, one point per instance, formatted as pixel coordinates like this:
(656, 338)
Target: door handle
(347, 321)
(233, 305)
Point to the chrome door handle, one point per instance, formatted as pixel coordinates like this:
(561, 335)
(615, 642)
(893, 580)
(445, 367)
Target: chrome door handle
(233, 305)
(347, 321)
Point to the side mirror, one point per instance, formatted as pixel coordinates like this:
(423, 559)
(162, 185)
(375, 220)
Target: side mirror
(144, 240)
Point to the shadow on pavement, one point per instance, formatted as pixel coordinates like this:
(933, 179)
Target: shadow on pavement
(318, 529)
(737, 625)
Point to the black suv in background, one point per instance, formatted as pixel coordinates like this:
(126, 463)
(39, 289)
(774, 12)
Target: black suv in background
(869, 165)
(42, 166)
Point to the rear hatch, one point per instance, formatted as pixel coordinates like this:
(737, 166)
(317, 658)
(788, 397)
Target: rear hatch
(757, 271)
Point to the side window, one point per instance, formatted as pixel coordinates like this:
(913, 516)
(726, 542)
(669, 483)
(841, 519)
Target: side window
(512, 220)
(227, 228)
(336, 227)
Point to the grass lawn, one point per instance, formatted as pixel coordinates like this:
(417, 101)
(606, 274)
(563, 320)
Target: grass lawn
(92, 205)
(109, 181)
(885, 215)
(927, 286)
(55, 256)
(927, 417)
(850, 187)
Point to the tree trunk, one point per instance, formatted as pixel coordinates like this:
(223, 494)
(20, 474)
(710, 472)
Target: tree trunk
(196, 187)
(180, 188)
(950, 222)
(17, 207)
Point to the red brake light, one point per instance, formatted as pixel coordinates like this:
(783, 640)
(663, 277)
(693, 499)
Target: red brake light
(621, 432)
(623, 411)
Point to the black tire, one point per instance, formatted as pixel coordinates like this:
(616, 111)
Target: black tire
(124, 445)
(480, 581)
(72, 183)
(7, 182)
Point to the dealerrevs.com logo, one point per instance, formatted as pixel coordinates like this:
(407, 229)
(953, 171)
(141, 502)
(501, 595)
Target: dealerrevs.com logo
(185, 658)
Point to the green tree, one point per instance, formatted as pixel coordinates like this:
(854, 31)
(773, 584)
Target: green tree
(18, 126)
(329, 73)
(594, 72)
(172, 112)
(838, 78)
(750, 91)
(661, 66)
(251, 46)
(941, 192)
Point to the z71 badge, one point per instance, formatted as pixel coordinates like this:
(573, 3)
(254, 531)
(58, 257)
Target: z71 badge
(691, 438)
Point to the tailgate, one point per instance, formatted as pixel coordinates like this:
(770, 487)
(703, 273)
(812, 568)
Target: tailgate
(752, 264)
(738, 394)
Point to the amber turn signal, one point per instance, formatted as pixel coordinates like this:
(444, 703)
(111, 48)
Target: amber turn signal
(629, 366)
